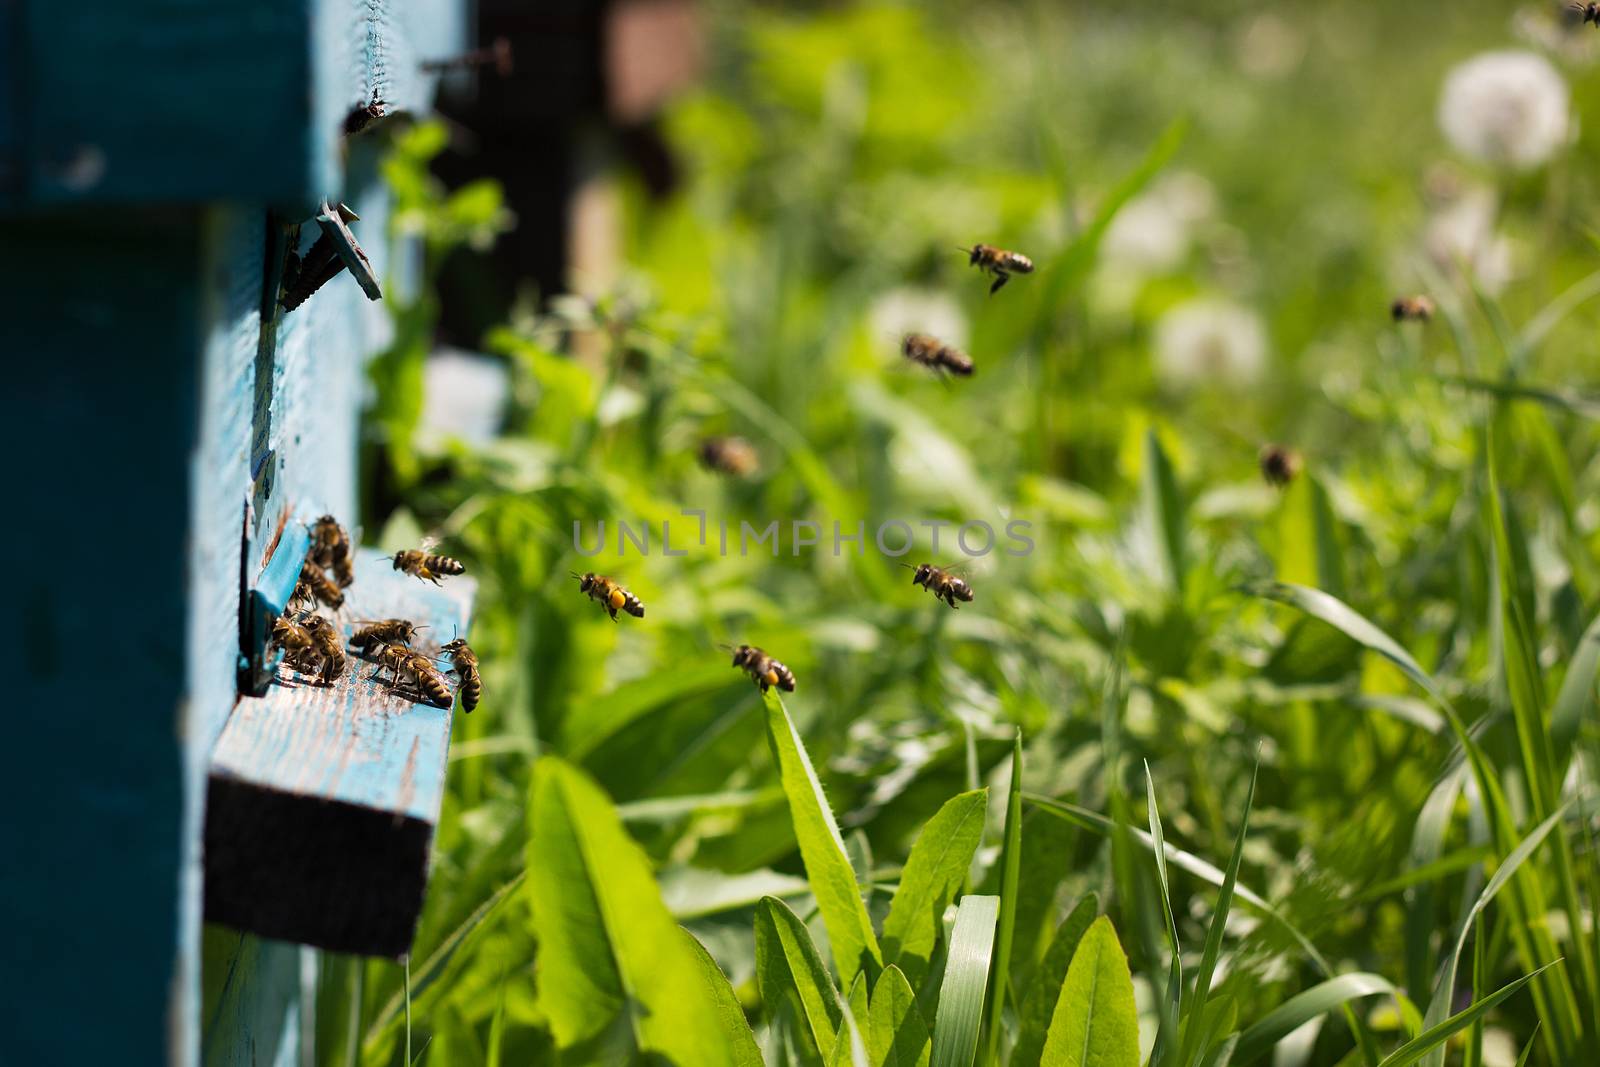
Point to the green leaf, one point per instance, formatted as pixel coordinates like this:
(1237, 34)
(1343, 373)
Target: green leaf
(1172, 1002)
(1435, 1036)
(1302, 1008)
(1162, 506)
(1010, 876)
(939, 861)
(1445, 989)
(735, 1029)
(966, 973)
(789, 969)
(1045, 989)
(1342, 617)
(1576, 700)
(833, 882)
(1192, 1046)
(850, 1049)
(1095, 1024)
(608, 950)
(897, 1036)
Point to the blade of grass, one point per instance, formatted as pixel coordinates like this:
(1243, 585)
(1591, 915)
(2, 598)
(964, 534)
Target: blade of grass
(1576, 700)
(1302, 1008)
(966, 974)
(1010, 876)
(1172, 1001)
(1434, 1037)
(1192, 1049)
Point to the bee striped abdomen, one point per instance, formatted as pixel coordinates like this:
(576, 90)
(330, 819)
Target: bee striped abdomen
(385, 632)
(934, 354)
(319, 586)
(465, 662)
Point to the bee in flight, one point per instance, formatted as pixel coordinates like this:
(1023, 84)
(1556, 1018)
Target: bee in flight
(315, 585)
(729, 455)
(465, 663)
(1588, 12)
(765, 671)
(934, 354)
(999, 262)
(1411, 309)
(422, 563)
(1279, 465)
(385, 632)
(610, 594)
(941, 583)
(330, 549)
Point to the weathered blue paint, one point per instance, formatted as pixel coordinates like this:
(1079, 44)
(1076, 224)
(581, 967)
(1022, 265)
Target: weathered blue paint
(269, 596)
(136, 343)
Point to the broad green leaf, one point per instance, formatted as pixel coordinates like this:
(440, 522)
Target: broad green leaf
(897, 1036)
(608, 950)
(1302, 1008)
(1162, 506)
(939, 861)
(1010, 876)
(1045, 989)
(1193, 1045)
(850, 1049)
(735, 1029)
(1095, 1023)
(789, 969)
(833, 882)
(966, 973)
(1435, 1036)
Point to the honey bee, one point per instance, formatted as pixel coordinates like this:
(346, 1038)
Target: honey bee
(936, 355)
(1279, 465)
(317, 587)
(765, 671)
(330, 549)
(1589, 12)
(465, 662)
(403, 663)
(1411, 309)
(999, 262)
(941, 583)
(385, 632)
(329, 649)
(295, 640)
(728, 455)
(610, 594)
(363, 115)
(421, 563)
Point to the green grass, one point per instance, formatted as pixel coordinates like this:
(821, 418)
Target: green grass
(1318, 763)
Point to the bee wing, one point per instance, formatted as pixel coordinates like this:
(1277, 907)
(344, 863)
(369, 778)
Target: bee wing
(429, 543)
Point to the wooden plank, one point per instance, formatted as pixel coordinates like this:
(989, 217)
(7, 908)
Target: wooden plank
(321, 801)
(269, 596)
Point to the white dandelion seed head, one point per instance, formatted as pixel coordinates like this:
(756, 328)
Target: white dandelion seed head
(1153, 231)
(1461, 235)
(908, 310)
(1507, 109)
(1207, 341)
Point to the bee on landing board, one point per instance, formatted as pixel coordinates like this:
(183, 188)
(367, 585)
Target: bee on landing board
(765, 671)
(329, 649)
(609, 594)
(403, 663)
(1411, 309)
(729, 455)
(318, 587)
(423, 563)
(998, 262)
(934, 354)
(465, 663)
(941, 583)
(295, 640)
(1279, 465)
(385, 632)
(330, 549)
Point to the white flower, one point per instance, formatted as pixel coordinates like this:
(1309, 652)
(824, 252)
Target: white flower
(1210, 342)
(1153, 231)
(1461, 233)
(1507, 109)
(906, 310)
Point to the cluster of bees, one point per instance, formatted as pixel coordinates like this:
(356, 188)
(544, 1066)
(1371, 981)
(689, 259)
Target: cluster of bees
(313, 644)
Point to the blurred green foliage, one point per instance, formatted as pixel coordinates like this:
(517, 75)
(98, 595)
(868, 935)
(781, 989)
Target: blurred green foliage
(1281, 162)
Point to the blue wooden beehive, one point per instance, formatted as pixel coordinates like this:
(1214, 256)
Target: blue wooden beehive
(173, 426)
